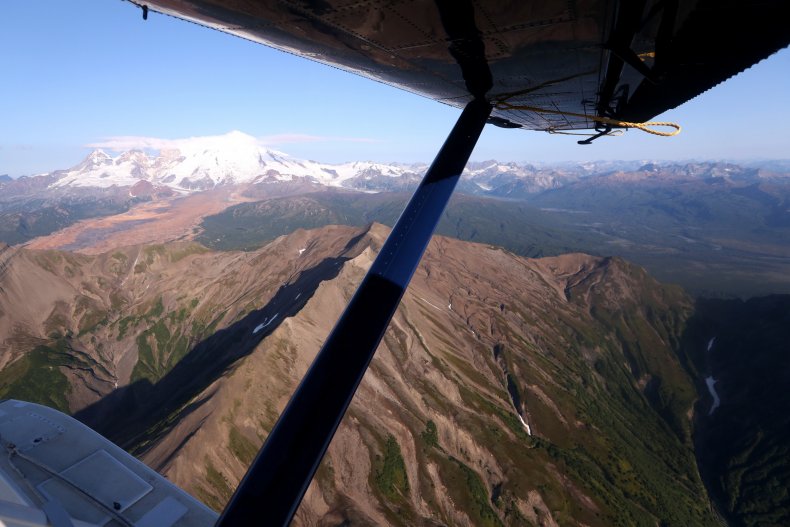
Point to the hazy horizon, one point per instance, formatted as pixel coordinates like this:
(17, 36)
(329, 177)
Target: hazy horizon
(81, 74)
(153, 146)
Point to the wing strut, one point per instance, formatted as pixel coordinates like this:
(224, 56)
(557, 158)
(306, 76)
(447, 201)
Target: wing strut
(279, 476)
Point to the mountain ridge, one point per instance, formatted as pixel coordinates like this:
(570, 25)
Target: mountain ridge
(236, 158)
(499, 386)
(497, 393)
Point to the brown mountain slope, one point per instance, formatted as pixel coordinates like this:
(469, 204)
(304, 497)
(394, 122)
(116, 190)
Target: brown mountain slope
(582, 346)
(486, 349)
(76, 327)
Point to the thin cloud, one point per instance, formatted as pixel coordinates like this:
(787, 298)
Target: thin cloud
(280, 139)
(130, 142)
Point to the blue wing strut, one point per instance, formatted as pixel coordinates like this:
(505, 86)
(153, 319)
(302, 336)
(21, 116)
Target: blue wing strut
(279, 476)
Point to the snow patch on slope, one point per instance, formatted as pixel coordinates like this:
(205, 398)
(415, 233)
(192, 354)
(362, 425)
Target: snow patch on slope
(264, 324)
(711, 383)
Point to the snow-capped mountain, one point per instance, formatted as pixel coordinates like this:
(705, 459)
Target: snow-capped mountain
(235, 158)
(206, 162)
(202, 163)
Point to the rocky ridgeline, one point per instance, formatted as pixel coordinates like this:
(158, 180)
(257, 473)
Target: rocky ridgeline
(507, 391)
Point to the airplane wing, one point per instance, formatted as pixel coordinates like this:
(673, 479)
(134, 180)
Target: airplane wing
(575, 60)
(55, 471)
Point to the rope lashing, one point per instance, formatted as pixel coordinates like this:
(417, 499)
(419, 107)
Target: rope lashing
(503, 104)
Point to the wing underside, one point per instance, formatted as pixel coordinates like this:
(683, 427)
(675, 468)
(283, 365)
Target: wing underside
(576, 60)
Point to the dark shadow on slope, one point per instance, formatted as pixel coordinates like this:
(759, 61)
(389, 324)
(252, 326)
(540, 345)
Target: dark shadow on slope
(743, 445)
(137, 414)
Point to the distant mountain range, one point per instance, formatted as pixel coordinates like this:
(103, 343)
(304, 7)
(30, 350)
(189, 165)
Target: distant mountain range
(238, 159)
(231, 159)
(714, 227)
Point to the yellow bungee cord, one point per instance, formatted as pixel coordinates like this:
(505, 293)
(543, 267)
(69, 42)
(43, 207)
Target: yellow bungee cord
(503, 104)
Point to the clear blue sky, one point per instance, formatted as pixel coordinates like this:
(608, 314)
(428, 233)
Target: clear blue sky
(76, 72)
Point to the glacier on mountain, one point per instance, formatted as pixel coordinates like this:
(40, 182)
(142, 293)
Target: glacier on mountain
(205, 162)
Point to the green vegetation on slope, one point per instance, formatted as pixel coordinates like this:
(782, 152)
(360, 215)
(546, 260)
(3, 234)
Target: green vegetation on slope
(25, 219)
(241, 447)
(38, 377)
(517, 226)
(390, 474)
(158, 349)
(219, 490)
(430, 435)
(617, 377)
(717, 240)
(744, 446)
